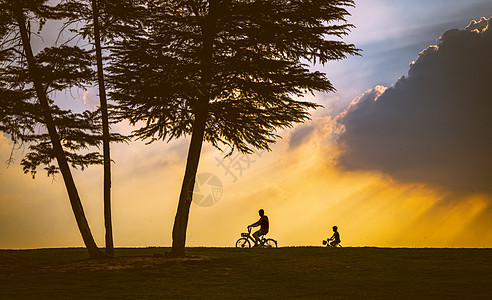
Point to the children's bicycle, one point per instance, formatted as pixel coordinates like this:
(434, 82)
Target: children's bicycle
(247, 240)
(328, 244)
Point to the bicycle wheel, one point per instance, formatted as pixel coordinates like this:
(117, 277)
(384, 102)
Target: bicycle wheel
(270, 243)
(243, 243)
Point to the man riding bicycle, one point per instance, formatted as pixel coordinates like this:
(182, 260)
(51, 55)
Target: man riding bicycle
(264, 226)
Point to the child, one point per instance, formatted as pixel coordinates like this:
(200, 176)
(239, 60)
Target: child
(335, 238)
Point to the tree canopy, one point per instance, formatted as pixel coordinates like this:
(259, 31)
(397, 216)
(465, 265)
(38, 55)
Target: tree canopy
(257, 62)
(60, 68)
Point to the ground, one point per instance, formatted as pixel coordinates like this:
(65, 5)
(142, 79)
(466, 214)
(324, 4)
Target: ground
(307, 272)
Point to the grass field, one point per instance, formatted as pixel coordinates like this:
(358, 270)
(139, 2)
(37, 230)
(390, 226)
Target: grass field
(340, 273)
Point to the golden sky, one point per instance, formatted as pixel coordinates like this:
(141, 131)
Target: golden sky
(302, 184)
(302, 191)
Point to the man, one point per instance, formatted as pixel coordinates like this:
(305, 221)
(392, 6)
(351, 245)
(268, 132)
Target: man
(264, 226)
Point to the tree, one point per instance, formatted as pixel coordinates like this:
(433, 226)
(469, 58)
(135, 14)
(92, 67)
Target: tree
(26, 82)
(227, 72)
(97, 28)
(105, 127)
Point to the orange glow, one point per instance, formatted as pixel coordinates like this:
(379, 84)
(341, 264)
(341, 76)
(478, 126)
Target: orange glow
(301, 190)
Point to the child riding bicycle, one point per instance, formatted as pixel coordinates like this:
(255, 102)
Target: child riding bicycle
(334, 240)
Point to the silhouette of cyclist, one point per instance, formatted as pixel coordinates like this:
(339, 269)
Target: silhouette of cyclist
(335, 238)
(264, 226)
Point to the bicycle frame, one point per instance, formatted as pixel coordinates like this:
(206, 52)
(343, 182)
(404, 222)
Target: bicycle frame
(249, 237)
(263, 242)
(327, 243)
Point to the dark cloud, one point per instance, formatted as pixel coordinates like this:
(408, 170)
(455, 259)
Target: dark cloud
(299, 135)
(434, 125)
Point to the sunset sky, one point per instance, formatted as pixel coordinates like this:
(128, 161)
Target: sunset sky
(393, 161)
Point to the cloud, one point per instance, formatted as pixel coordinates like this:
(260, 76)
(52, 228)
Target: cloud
(433, 126)
(479, 26)
(299, 135)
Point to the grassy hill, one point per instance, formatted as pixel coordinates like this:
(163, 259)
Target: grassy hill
(308, 272)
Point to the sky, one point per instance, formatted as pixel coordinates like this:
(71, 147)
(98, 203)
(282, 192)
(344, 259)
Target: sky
(398, 157)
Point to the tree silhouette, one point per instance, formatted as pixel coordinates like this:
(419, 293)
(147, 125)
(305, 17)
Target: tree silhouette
(227, 72)
(102, 20)
(105, 127)
(25, 84)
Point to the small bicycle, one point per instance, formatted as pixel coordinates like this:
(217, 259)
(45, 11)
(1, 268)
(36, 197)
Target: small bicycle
(247, 240)
(328, 244)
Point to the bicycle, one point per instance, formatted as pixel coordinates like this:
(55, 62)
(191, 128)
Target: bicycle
(246, 239)
(328, 244)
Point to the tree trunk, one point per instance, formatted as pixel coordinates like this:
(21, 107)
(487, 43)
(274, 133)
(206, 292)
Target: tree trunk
(77, 208)
(185, 197)
(105, 124)
(201, 115)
